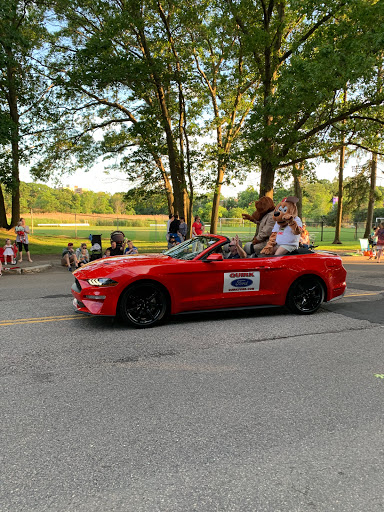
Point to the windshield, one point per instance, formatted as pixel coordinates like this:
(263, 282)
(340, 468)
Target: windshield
(189, 249)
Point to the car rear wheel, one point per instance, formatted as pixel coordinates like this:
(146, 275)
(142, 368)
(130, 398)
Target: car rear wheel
(305, 295)
(143, 305)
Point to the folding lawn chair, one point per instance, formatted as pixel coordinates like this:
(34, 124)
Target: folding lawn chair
(96, 250)
(364, 246)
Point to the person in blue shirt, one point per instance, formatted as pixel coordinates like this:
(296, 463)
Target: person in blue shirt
(130, 249)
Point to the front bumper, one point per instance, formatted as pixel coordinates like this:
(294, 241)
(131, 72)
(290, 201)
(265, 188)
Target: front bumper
(95, 300)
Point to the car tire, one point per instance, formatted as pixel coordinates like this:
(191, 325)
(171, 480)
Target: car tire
(305, 295)
(143, 305)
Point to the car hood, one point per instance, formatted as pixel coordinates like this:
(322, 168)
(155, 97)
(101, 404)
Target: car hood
(105, 266)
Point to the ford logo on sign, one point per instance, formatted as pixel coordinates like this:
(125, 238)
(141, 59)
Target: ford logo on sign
(241, 283)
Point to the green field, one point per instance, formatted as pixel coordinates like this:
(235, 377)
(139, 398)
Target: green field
(51, 240)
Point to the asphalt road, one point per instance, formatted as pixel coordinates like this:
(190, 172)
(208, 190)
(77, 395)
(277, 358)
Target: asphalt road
(257, 411)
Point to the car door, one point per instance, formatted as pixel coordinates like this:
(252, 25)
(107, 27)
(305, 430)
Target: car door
(231, 283)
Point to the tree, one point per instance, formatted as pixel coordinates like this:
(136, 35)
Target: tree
(305, 52)
(126, 60)
(372, 195)
(218, 53)
(23, 95)
(317, 199)
(247, 197)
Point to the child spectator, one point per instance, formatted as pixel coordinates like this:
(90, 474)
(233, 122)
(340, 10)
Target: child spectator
(107, 253)
(131, 249)
(84, 257)
(9, 252)
(172, 242)
(20, 231)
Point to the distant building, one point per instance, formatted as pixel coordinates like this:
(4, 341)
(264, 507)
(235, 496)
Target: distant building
(75, 189)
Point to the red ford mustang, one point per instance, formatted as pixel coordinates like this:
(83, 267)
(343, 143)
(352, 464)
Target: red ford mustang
(195, 276)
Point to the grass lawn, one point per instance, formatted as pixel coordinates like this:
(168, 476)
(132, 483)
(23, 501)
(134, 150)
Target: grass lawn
(50, 240)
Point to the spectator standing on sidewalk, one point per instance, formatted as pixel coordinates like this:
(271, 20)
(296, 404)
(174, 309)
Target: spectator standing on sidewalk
(183, 228)
(174, 229)
(22, 232)
(380, 241)
(170, 219)
(197, 227)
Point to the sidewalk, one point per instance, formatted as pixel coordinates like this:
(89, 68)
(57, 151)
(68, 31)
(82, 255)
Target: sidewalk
(40, 263)
(44, 262)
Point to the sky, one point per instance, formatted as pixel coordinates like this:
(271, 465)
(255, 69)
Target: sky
(115, 182)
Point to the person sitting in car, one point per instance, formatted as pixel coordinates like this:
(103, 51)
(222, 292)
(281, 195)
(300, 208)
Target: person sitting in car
(304, 241)
(235, 249)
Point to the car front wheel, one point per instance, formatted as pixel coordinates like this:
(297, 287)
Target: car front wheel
(305, 296)
(143, 305)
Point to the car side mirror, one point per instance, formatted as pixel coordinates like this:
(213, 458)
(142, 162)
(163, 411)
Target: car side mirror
(214, 257)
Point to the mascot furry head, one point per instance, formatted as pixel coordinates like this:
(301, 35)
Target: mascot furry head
(263, 205)
(285, 211)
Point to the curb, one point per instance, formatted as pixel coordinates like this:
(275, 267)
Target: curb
(36, 269)
(28, 270)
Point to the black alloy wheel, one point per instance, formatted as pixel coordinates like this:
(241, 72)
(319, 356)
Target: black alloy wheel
(305, 296)
(143, 305)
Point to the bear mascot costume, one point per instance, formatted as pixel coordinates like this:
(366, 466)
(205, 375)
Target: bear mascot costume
(263, 217)
(287, 229)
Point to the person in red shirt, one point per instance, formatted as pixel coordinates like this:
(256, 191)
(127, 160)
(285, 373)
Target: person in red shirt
(197, 227)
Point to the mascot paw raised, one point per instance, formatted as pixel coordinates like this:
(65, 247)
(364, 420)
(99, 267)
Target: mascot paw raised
(263, 217)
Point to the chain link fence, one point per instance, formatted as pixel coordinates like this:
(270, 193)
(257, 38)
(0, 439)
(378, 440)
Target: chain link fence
(154, 228)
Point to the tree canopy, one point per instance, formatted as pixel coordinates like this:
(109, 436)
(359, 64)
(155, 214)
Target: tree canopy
(185, 97)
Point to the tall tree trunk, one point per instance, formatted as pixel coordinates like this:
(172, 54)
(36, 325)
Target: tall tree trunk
(15, 180)
(167, 184)
(297, 174)
(3, 213)
(216, 197)
(14, 115)
(181, 199)
(371, 201)
(267, 178)
(339, 215)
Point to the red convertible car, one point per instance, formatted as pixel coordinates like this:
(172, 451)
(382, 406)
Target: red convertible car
(196, 276)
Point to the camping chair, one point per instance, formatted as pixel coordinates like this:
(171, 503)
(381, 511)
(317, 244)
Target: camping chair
(2, 257)
(364, 246)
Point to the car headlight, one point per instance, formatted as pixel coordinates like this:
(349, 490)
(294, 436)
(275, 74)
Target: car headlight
(102, 281)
